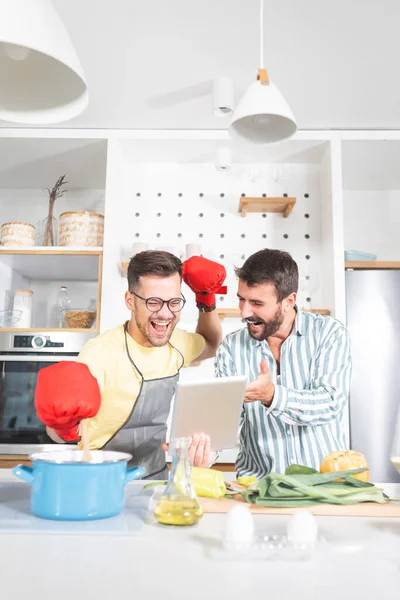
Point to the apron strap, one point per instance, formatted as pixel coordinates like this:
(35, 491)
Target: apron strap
(181, 355)
(127, 350)
(130, 358)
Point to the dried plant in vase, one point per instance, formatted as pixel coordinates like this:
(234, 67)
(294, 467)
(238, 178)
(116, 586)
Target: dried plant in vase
(49, 234)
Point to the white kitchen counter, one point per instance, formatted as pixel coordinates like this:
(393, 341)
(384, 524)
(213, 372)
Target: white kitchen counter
(173, 563)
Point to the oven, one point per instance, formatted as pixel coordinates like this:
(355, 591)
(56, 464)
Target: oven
(22, 355)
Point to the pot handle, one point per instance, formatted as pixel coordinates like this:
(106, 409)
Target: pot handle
(135, 473)
(23, 473)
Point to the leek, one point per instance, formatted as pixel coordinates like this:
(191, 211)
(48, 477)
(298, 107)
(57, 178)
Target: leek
(302, 486)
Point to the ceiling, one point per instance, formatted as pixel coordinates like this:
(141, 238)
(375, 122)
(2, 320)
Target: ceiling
(149, 65)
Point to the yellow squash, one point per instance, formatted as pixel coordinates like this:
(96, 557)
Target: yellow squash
(344, 460)
(246, 480)
(208, 483)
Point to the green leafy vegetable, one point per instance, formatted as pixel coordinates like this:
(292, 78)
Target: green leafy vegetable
(302, 486)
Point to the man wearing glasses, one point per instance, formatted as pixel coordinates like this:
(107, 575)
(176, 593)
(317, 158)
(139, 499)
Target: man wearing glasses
(137, 364)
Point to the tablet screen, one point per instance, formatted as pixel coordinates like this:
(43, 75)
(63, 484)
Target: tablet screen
(212, 406)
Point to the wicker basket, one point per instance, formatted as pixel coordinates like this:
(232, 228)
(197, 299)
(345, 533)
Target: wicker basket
(17, 234)
(81, 229)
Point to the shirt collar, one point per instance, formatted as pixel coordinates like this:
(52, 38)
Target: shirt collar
(299, 324)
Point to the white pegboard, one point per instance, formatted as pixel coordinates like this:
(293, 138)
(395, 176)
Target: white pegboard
(171, 206)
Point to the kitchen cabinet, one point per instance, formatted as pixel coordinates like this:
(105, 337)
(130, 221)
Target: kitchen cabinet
(44, 270)
(31, 165)
(371, 194)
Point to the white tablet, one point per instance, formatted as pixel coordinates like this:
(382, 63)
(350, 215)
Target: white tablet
(212, 406)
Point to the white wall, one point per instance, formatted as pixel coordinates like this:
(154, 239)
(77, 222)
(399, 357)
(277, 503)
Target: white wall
(372, 222)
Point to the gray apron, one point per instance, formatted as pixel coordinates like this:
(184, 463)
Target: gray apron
(146, 427)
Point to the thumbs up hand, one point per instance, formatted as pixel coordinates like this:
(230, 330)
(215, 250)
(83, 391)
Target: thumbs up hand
(261, 389)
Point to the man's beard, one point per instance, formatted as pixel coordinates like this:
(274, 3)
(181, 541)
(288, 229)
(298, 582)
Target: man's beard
(267, 328)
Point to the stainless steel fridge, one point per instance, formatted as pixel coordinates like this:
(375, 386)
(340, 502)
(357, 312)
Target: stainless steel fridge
(373, 320)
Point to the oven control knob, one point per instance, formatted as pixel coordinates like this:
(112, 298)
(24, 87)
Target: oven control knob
(38, 341)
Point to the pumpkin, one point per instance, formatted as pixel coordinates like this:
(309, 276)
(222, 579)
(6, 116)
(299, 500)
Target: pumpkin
(344, 460)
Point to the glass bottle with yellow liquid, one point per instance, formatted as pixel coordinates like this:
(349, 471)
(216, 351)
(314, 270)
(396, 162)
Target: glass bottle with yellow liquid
(179, 504)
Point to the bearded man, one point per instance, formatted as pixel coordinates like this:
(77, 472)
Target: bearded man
(298, 365)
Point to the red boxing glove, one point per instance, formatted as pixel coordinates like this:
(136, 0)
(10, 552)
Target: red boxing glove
(205, 278)
(65, 394)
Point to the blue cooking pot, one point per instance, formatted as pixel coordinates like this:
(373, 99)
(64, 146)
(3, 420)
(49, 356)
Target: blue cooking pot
(67, 489)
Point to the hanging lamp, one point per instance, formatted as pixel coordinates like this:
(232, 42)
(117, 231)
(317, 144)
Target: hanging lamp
(41, 78)
(262, 116)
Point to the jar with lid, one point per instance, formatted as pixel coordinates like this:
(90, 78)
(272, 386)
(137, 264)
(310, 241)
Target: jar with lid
(23, 302)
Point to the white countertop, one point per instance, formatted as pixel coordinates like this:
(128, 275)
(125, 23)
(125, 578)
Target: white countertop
(172, 563)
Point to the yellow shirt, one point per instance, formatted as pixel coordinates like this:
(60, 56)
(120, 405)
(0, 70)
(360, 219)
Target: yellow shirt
(119, 381)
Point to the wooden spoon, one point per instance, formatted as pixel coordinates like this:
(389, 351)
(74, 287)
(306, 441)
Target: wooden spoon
(87, 456)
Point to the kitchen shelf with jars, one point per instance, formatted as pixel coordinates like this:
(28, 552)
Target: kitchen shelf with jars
(51, 230)
(31, 282)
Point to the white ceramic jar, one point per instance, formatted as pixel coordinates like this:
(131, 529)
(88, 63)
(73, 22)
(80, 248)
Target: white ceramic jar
(23, 302)
(17, 234)
(81, 228)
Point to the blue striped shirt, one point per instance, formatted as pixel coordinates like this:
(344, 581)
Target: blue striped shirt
(304, 422)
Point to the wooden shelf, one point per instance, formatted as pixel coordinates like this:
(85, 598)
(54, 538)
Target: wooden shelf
(232, 313)
(320, 311)
(53, 263)
(374, 264)
(266, 205)
(66, 250)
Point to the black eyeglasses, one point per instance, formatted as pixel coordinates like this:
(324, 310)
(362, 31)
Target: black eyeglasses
(156, 304)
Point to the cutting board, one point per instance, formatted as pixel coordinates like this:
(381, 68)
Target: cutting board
(365, 509)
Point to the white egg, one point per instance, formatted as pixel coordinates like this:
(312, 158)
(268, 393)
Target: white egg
(239, 528)
(302, 528)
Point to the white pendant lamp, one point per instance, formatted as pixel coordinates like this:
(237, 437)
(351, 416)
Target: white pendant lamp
(262, 116)
(41, 78)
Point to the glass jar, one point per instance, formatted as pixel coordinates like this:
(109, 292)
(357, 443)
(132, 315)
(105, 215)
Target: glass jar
(179, 504)
(23, 302)
(49, 232)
